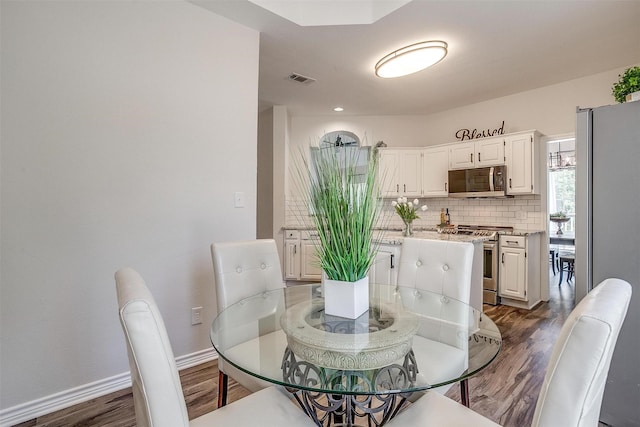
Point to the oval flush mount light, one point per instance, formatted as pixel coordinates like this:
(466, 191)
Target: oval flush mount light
(411, 59)
(338, 109)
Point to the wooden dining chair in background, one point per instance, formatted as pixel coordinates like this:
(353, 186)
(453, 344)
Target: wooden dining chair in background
(243, 269)
(157, 392)
(573, 387)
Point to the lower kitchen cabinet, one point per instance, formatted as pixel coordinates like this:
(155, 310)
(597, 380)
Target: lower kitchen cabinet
(300, 258)
(519, 271)
(384, 269)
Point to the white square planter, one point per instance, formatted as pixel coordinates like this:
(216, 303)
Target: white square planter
(346, 299)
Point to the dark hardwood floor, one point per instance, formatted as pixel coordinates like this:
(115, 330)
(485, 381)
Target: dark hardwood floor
(506, 391)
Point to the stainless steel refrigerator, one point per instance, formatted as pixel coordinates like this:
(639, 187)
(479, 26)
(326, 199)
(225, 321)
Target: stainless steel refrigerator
(608, 237)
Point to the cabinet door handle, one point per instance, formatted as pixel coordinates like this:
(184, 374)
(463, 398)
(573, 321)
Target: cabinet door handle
(503, 258)
(295, 249)
(471, 157)
(509, 182)
(405, 187)
(397, 188)
(445, 186)
(479, 157)
(392, 266)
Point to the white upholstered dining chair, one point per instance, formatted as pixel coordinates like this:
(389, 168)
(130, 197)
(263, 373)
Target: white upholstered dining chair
(243, 269)
(157, 392)
(443, 267)
(571, 394)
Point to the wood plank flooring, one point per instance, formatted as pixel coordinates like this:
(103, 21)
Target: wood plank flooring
(506, 391)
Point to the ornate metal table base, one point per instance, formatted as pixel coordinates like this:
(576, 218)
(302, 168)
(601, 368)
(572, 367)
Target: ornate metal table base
(346, 409)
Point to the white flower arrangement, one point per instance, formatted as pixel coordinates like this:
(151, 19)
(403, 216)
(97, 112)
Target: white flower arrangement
(407, 209)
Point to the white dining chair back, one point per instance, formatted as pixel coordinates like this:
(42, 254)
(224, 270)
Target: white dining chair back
(441, 267)
(573, 387)
(243, 269)
(157, 391)
(571, 394)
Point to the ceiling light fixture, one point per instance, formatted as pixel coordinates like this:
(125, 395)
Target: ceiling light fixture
(338, 109)
(411, 59)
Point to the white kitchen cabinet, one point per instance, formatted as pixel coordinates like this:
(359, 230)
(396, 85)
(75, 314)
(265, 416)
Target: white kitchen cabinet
(300, 258)
(522, 163)
(309, 262)
(478, 153)
(291, 259)
(384, 269)
(435, 172)
(519, 270)
(490, 152)
(461, 155)
(401, 172)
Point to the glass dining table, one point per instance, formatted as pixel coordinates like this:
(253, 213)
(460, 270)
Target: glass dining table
(363, 371)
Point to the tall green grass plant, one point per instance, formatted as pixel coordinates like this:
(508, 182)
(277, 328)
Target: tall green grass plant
(345, 204)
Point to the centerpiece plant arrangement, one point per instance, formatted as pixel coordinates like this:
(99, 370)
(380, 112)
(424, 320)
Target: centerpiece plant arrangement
(408, 212)
(344, 201)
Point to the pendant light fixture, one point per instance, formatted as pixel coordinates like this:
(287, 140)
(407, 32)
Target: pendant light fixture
(411, 59)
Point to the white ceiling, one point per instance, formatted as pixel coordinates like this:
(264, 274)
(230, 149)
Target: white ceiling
(496, 48)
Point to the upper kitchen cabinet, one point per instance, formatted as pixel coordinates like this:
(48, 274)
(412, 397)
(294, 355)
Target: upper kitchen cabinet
(478, 153)
(435, 175)
(401, 172)
(522, 163)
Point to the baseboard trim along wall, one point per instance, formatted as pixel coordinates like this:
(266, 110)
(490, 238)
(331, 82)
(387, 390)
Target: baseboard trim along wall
(64, 399)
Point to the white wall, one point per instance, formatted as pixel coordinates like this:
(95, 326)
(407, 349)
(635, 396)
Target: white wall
(551, 110)
(126, 129)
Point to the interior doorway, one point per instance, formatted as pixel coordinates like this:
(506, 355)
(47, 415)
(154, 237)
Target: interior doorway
(561, 207)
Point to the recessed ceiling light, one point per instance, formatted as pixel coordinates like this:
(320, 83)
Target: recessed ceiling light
(411, 59)
(338, 109)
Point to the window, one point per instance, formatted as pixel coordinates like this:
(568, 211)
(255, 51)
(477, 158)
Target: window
(562, 181)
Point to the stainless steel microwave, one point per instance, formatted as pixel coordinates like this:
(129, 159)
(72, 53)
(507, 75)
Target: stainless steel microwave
(478, 182)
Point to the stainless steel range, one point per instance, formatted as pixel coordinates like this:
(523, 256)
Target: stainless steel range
(489, 259)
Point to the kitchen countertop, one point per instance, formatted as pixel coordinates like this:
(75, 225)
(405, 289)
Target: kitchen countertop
(396, 237)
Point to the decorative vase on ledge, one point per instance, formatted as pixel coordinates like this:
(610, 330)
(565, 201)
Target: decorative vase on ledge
(346, 299)
(408, 228)
(559, 222)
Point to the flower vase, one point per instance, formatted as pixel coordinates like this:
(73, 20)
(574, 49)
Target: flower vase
(408, 228)
(346, 299)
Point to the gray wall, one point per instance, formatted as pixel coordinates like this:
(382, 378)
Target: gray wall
(126, 129)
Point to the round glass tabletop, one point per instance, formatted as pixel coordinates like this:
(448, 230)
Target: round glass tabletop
(409, 340)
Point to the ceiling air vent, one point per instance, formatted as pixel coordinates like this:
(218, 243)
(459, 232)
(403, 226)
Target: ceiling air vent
(301, 79)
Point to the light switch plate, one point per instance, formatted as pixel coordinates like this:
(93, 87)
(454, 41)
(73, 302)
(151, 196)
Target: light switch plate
(238, 198)
(196, 315)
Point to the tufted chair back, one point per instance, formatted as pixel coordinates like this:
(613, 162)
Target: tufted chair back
(573, 386)
(243, 269)
(442, 267)
(439, 266)
(157, 392)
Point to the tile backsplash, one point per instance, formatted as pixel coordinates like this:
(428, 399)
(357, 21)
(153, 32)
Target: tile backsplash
(520, 212)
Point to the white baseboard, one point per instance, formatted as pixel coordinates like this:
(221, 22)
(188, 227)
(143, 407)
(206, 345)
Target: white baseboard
(64, 399)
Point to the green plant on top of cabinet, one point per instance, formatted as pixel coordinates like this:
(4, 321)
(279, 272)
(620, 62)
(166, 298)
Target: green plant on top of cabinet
(401, 172)
(478, 153)
(521, 152)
